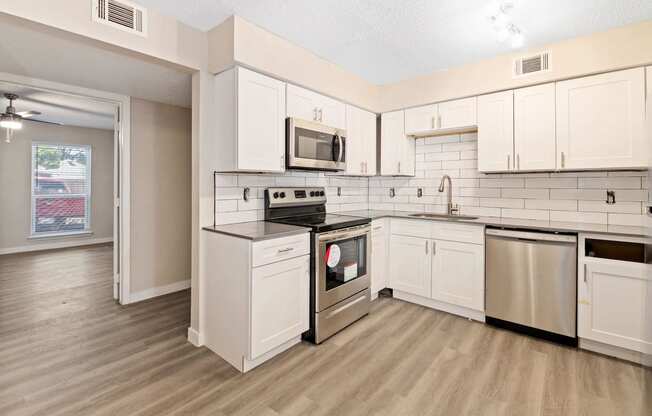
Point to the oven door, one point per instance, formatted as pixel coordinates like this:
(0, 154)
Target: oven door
(315, 146)
(342, 266)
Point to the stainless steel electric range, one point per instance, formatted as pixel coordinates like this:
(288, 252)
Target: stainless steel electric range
(340, 253)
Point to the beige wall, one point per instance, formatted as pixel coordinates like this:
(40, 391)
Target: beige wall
(160, 195)
(167, 39)
(15, 190)
(619, 48)
(266, 52)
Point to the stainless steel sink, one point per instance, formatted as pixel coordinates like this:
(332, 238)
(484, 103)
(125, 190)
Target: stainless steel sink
(444, 216)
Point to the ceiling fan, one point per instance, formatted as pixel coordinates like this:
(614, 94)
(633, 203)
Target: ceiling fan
(12, 120)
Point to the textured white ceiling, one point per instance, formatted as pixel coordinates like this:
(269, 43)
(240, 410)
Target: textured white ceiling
(389, 40)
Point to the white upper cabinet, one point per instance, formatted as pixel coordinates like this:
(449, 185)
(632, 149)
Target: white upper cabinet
(308, 105)
(436, 118)
(250, 122)
(534, 128)
(360, 142)
(457, 113)
(496, 132)
(601, 121)
(419, 119)
(397, 151)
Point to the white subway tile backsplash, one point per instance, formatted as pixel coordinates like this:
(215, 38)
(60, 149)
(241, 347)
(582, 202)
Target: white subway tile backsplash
(551, 183)
(525, 193)
(611, 183)
(619, 207)
(558, 196)
(627, 219)
(584, 217)
(551, 204)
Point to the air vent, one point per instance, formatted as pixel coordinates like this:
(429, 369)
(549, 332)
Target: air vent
(532, 64)
(121, 14)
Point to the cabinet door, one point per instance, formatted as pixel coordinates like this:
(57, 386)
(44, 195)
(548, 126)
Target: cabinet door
(379, 255)
(392, 132)
(410, 265)
(408, 154)
(496, 132)
(261, 122)
(302, 103)
(279, 303)
(457, 113)
(458, 274)
(355, 154)
(420, 119)
(332, 113)
(534, 128)
(369, 128)
(600, 121)
(613, 303)
(360, 141)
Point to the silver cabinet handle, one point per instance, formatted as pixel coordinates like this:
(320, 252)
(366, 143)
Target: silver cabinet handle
(285, 250)
(282, 161)
(399, 167)
(432, 122)
(585, 278)
(426, 246)
(563, 160)
(314, 114)
(508, 161)
(321, 115)
(434, 248)
(439, 121)
(518, 161)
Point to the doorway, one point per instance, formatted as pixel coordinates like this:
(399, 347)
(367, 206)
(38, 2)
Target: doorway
(65, 179)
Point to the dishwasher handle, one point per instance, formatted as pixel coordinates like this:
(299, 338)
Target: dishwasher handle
(533, 236)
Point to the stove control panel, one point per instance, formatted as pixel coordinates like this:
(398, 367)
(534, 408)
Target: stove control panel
(295, 196)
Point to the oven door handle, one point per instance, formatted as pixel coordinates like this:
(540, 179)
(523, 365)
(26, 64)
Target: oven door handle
(344, 234)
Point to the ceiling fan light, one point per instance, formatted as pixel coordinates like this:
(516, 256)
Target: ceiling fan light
(10, 123)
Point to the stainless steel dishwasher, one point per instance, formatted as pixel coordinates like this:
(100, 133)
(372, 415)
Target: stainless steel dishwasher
(531, 283)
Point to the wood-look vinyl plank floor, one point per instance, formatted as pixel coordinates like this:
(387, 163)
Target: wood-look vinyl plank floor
(66, 348)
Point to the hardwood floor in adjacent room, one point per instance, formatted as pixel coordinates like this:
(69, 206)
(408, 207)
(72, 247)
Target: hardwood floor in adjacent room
(67, 349)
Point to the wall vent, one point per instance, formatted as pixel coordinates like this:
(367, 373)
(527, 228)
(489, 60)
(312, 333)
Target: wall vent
(121, 14)
(532, 64)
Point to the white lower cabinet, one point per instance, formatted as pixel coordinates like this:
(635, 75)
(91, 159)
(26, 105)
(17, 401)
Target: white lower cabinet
(410, 265)
(458, 273)
(279, 303)
(379, 255)
(255, 298)
(438, 264)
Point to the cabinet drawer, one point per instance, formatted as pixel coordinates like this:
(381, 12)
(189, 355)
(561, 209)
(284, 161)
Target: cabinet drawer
(413, 228)
(277, 249)
(378, 227)
(463, 233)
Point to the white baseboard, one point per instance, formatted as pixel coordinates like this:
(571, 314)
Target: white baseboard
(158, 291)
(195, 338)
(614, 351)
(74, 241)
(441, 306)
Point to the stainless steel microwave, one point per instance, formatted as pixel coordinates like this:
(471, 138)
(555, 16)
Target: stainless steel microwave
(312, 145)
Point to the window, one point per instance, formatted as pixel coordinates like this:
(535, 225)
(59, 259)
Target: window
(61, 189)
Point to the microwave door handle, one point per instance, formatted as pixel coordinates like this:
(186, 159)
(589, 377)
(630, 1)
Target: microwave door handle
(341, 146)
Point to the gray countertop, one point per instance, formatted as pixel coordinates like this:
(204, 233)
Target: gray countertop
(517, 223)
(257, 230)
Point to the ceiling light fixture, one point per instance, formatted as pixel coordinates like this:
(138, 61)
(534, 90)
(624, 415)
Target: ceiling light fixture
(10, 122)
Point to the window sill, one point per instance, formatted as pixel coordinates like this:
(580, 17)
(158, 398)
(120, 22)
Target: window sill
(60, 235)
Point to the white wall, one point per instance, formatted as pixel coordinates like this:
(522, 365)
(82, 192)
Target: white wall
(15, 177)
(567, 196)
(160, 198)
(623, 47)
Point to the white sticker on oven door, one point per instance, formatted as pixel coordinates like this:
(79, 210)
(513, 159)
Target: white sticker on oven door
(333, 254)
